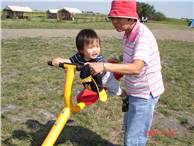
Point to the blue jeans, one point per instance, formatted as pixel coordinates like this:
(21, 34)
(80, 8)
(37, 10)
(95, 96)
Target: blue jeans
(138, 120)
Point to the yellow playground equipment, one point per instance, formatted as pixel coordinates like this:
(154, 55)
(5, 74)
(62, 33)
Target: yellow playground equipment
(69, 107)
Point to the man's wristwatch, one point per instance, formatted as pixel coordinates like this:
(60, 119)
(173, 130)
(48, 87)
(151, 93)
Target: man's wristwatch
(104, 66)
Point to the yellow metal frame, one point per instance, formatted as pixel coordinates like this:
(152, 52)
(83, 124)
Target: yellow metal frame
(69, 107)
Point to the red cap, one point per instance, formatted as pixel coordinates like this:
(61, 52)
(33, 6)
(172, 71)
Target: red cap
(123, 9)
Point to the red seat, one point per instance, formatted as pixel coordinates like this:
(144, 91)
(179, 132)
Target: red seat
(87, 96)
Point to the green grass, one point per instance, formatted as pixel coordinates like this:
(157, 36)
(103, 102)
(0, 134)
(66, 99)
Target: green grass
(177, 59)
(39, 20)
(54, 24)
(172, 21)
(32, 94)
(77, 24)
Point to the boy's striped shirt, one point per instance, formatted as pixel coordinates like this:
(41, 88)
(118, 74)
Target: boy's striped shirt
(79, 59)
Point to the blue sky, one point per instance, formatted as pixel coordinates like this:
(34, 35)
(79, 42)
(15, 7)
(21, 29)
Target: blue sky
(171, 8)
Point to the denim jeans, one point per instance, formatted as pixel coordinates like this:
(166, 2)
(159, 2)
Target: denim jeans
(138, 120)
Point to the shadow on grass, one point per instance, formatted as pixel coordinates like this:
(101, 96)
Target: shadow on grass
(71, 134)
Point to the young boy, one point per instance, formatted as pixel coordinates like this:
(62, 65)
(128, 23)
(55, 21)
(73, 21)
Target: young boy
(88, 46)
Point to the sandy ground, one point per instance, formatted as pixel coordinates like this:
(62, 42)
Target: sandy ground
(171, 34)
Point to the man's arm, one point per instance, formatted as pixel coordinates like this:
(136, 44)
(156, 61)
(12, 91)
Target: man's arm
(133, 68)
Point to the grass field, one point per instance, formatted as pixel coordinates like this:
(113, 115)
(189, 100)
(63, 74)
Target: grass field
(32, 96)
(53, 24)
(39, 20)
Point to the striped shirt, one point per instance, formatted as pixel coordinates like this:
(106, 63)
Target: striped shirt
(141, 44)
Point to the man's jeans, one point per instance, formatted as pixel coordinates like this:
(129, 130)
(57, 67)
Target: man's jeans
(138, 120)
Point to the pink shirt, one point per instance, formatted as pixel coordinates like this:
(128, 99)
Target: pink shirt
(141, 44)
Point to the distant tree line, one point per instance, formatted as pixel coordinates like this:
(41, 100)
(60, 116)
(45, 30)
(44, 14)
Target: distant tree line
(147, 11)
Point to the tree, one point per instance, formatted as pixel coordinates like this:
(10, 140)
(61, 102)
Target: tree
(158, 16)
(147, 11)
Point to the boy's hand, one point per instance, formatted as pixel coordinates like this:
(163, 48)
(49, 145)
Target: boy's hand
(55, 62)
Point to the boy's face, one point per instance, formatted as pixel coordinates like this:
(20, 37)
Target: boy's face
(122, 24)
(91, 50)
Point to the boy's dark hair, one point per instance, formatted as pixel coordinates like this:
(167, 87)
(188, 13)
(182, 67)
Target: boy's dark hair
(85, 37)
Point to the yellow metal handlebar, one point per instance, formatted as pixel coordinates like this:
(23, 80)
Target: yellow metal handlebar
(69, 107)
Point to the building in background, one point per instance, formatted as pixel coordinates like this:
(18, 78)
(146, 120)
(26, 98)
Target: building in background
(15, 12)
(67, 13)
(52, 13)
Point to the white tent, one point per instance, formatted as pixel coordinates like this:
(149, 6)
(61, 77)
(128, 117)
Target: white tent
(18, 8)
(67, 13)
(54, 11)
(72, 10)
(16, 12)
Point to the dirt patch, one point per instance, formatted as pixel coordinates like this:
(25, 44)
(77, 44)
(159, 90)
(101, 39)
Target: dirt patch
(9, 111)
(172, 34)
(175, 123)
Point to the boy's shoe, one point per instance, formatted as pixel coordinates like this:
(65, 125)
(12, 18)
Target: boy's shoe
(125, 101)
(102, 95)
(125, 104)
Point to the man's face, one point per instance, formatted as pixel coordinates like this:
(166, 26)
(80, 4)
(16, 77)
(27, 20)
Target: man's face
(122, 24)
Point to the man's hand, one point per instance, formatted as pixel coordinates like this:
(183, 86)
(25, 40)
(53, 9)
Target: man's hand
(96, 67)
